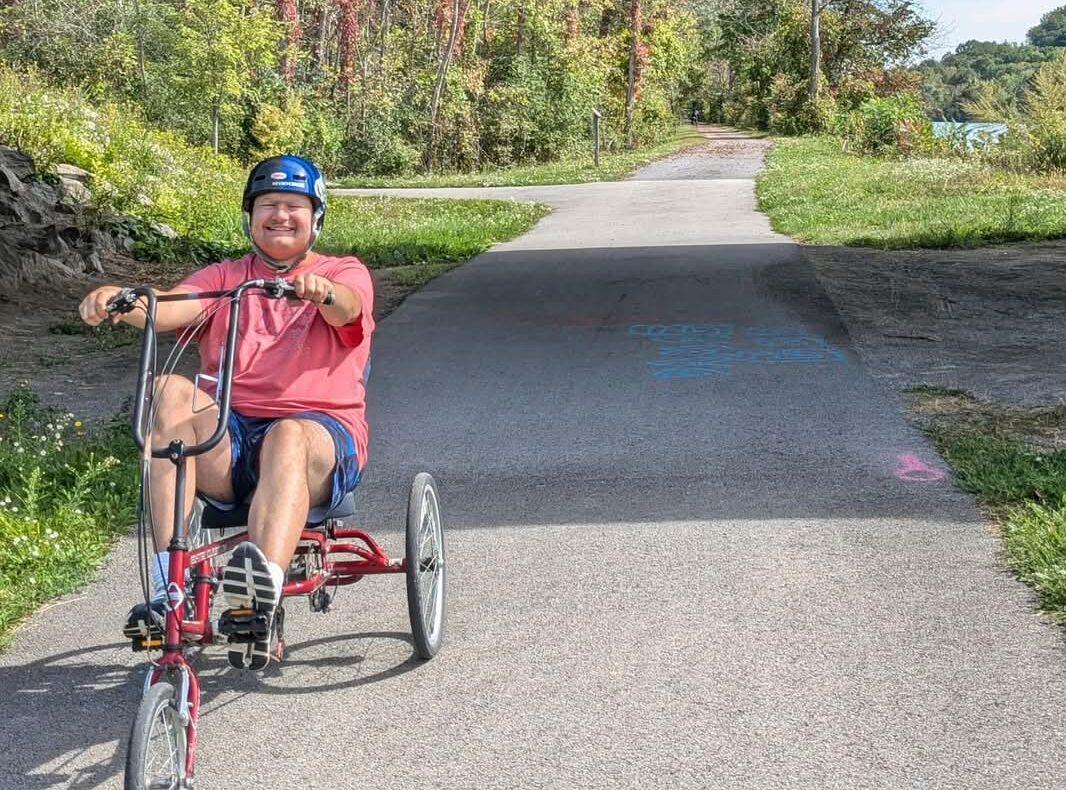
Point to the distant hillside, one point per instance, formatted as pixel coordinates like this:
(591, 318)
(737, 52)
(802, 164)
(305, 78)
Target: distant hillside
(978, 67)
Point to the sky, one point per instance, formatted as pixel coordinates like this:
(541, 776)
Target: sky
(984, 20)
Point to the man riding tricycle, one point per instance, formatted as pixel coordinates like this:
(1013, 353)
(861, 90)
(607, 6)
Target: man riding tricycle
(270, 440)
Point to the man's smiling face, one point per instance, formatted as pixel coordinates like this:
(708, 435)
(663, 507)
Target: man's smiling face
(281, 225)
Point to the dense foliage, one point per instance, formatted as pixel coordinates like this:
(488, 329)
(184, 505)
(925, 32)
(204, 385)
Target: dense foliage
(765, 48)
(371, 86)
(985, 73)
(978, 70)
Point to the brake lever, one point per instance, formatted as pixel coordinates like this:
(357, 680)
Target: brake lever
(122, 302)
(278, 288)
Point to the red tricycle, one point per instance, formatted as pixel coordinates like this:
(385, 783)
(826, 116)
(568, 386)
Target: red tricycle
(162, 744)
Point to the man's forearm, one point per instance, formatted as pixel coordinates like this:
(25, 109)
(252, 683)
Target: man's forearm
(347, 306)
(168, 315)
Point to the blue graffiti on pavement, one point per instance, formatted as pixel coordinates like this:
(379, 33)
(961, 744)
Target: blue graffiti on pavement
(687, 351)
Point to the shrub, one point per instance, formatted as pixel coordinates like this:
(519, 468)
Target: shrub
(791, 110)
(152, 175)
(890, 125)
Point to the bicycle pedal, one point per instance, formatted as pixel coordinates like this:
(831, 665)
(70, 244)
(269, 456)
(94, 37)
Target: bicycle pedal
(141, 643)
(244, 625)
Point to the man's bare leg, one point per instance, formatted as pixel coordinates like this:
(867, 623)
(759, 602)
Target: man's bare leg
(296, 463)
(209, 473)
(295, 473)
(174, 419)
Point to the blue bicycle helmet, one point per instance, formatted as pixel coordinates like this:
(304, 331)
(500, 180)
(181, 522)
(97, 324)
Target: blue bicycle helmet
(286, 173)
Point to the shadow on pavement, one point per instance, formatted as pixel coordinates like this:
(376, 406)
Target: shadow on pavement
(67, 717)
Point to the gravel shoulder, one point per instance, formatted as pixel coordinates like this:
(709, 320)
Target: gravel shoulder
(991, 321)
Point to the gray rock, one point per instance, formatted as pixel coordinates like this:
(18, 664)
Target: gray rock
(163, 230)
(43, 234)
(74, 173)
(9, 181)
(17, 162)
(101, 240)
(75, 192)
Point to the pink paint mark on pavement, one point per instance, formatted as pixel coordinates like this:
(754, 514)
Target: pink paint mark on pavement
(914, 470)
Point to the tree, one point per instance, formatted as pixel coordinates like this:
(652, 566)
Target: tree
(289, 16)
(1051, 32)
(986, 72)
(223, 46)
(636, 53)
(817, 7)
(458, 22)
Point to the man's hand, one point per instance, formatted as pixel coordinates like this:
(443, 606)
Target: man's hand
(93, 308)
(313, 288)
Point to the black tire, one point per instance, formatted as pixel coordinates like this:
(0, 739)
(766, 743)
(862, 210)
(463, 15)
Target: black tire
(426, 569)
(155, 757)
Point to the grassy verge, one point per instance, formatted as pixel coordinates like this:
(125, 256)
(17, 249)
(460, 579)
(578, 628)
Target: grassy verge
(613, 166)
(815, 192)
(66, 491)
(386, 231)
(1014, 460)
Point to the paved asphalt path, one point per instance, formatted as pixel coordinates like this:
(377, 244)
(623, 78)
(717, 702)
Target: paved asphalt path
(692, 545)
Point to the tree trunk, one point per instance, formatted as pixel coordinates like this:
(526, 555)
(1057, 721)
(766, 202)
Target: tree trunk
(816, 49)
(216, 113)
(140, 54)
(458, 19)
(631, 85)
(520, 35)
(289, 16)
(321, 51)
(383, 32)
(348, 38)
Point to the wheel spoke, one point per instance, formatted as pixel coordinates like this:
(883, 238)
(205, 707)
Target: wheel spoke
(161, 767)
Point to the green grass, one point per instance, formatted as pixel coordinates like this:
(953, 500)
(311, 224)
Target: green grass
(1004, 472)
(817, 193)
(1027, 490)
(385, 231)
(580, 170)
(66, 492)
(995, 451)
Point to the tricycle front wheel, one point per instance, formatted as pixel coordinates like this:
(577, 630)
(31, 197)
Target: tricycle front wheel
(158, 742)
(426, 569)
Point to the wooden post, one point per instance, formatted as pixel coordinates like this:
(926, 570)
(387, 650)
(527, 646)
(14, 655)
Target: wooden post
(596, 116)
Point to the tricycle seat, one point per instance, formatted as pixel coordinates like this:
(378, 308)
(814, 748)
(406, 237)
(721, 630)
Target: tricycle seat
(226, 515)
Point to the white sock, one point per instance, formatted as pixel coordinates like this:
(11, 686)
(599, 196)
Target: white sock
(277, 575)
(160, 571)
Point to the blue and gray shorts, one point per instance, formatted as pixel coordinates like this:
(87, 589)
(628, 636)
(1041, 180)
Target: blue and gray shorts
(246, 441)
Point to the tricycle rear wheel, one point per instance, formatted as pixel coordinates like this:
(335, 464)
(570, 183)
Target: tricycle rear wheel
(426, 568)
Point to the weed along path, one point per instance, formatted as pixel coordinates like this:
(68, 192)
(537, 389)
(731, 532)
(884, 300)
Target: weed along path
(692, 544)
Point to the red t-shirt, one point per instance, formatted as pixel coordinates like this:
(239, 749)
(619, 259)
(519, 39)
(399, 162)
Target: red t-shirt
(288, 359)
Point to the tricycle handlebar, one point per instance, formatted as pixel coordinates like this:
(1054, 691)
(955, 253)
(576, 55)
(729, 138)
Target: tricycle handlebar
(126, 301)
